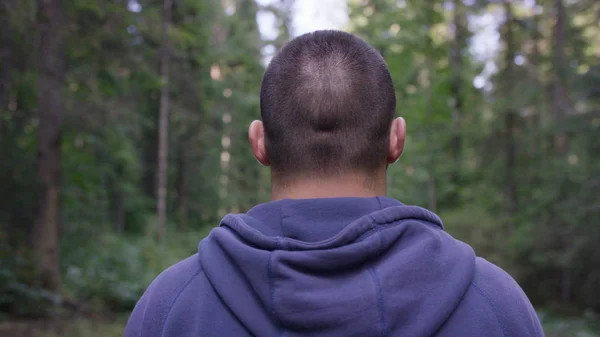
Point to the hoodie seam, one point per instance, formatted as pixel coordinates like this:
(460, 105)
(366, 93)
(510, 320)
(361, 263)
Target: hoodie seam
(493, 307)
(172, 304)
(281, 226)
(451, 314)
(238, 224)
(272, 287)
(379, 201)
(383, 329)
(380, 226)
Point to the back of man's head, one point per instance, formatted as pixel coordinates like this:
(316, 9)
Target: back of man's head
(327, 104)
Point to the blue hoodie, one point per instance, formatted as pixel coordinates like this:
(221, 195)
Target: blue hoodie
(333, 267)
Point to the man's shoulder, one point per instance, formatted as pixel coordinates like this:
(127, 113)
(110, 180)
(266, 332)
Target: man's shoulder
(492, 278)
(503, 295)
(164, 290)
(496, 284)
(151, 312)
(177, 275)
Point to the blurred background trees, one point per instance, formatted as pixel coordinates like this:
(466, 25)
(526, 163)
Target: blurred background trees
(502, 101)
(506, 147)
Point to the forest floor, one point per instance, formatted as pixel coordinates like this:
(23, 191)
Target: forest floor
(112, 325)
(96, 325)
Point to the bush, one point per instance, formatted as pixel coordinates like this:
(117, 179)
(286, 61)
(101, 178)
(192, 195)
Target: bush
(113, 271)
(586, 325)
(19, 294)
(479, 229)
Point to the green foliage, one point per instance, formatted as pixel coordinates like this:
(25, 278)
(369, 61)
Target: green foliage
(556, 326)
(113, 271)
(457, 159)
(90, 328)
(19, 293)
(473, 224)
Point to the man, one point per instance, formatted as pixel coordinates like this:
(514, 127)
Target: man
(331, 255)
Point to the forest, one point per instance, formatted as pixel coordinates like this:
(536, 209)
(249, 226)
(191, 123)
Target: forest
(123, 141)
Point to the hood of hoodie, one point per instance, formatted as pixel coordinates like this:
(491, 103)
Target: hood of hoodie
(337, 267)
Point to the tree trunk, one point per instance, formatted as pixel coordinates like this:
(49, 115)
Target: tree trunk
(598, 33)
(566, 289)
(509, 118)
(6, 66)
(536, 134)
(181, 187)
(510, 151)
(118, 200)
(120, 211)
(431, 190)
(4, 74)
(561, 102)
(429, 65)
(163, 124)
(562, 107)
(45, 234)
(456, 87)
(224, 204)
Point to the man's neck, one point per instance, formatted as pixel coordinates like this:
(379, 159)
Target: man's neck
(348, 185)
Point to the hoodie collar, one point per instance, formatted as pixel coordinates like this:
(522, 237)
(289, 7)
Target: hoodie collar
(312, 220)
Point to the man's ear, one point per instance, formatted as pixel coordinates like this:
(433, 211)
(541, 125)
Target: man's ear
(397, 138)
(256, 135)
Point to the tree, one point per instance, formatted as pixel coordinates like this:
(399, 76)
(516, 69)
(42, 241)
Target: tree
(45, 235)
(510, 115)
(163, 123)
(561, 102)
(456, 59)
(428, 83)
(500, 140)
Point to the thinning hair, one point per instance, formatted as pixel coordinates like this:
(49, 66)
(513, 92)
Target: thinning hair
(327, 103)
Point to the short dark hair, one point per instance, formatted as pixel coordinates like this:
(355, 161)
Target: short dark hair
(327, 103)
